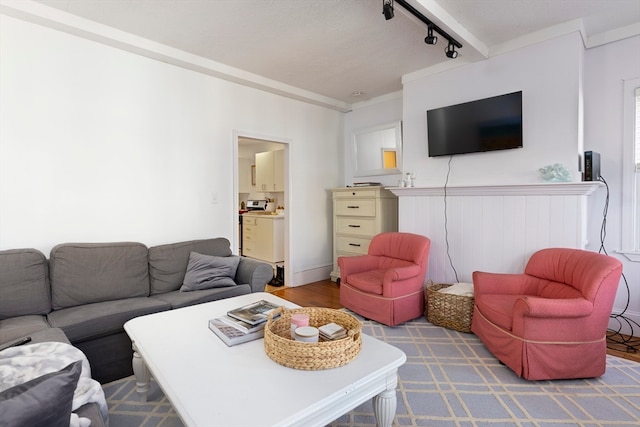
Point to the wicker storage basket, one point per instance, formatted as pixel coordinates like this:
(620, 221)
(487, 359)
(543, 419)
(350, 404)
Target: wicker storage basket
(281, 348)
(447, 310)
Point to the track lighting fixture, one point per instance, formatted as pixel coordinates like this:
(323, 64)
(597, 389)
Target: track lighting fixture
(387, 9)
(430, 39)
(450, 50)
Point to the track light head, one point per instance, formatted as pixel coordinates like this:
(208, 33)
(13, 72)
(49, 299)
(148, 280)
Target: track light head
(430, 39)
(450, 51)
(387, 9)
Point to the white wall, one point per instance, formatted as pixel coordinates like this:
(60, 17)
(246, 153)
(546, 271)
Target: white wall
(547, 73)
(99, 144)
(606, 69)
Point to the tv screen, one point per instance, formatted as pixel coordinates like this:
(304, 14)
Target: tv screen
(483, 125)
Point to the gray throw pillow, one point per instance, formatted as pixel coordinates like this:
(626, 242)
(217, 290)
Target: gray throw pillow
(44, 401)
(207, 271)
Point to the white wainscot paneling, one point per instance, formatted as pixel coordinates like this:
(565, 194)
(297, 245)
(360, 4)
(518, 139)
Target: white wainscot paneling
(493, 228)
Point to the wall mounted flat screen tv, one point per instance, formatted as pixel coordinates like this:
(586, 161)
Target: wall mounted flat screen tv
(483, 125)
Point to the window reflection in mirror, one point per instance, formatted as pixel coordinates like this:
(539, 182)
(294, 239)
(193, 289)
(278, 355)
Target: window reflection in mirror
(378, 150)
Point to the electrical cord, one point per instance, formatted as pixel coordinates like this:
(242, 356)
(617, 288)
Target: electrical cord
(630, 342)
(446, 230)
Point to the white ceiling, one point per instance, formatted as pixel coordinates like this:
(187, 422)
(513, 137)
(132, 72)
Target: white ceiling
(325, 50)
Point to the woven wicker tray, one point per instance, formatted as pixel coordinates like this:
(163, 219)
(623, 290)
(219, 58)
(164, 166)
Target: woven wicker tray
(281, 348)
(447, 310)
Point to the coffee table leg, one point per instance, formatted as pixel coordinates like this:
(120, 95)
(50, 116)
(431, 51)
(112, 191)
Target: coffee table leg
(384, 404)
(142, 374)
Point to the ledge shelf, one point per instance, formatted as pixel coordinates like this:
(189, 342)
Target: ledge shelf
(583, 188)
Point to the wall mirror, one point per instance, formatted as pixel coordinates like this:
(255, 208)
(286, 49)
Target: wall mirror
(377, 150)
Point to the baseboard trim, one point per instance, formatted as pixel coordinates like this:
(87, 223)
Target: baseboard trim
(312, 275)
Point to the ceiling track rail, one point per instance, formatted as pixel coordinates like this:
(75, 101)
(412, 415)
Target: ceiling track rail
(412, 10)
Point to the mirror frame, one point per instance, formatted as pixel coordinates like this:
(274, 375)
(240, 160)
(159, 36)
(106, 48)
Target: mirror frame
(358, 134)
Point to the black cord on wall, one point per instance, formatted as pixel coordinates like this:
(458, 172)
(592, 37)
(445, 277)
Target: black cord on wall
(630, 342)
(446, 230)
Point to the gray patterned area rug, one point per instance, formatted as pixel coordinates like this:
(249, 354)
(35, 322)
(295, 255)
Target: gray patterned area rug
(449, 380)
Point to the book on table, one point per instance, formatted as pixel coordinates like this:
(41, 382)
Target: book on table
(232, 336)
(253, 313)
(240, 325)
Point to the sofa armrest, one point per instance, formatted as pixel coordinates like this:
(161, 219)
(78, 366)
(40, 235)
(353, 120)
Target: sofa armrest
(398, 281)
(401, 273)
(356, 264)
(254, 273)
(91, 410)
(557, 308)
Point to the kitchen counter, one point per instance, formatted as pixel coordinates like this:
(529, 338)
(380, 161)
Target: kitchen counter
(263, 214)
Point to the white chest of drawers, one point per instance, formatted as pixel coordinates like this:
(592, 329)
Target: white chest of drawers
(359, 214)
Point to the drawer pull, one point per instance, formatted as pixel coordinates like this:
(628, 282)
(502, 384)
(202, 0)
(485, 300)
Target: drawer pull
(354, 226)
(353, 207)
(354, 244)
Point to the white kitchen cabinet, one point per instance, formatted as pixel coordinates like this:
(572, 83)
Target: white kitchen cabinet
(358, 215)
(270, 171)
(244, 175)
(263, 237)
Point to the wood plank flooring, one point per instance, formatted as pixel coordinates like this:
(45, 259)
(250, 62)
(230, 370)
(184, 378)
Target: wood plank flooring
(327, 294)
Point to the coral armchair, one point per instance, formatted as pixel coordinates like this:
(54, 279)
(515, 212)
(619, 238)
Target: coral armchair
(387, 284)
(551, 321)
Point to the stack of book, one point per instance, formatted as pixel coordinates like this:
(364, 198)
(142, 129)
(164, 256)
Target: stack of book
(243, 324)
(332, 331)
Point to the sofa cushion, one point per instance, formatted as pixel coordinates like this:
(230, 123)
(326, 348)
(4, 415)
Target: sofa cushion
(85, 273)
(18, 327)
(209, 271)
(102, 318)
(168, 263)
(179, 299)
(24, 283)
(43, 401)
(45, 335)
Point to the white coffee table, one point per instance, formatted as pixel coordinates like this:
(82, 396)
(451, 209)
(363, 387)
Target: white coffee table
(210, 384)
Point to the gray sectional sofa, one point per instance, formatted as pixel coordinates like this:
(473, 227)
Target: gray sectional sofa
(89, 290)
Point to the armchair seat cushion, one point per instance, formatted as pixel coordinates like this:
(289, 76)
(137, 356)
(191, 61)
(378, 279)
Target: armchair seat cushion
(369, 281)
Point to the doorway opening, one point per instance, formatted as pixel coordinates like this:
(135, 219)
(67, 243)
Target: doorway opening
(262, 181)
